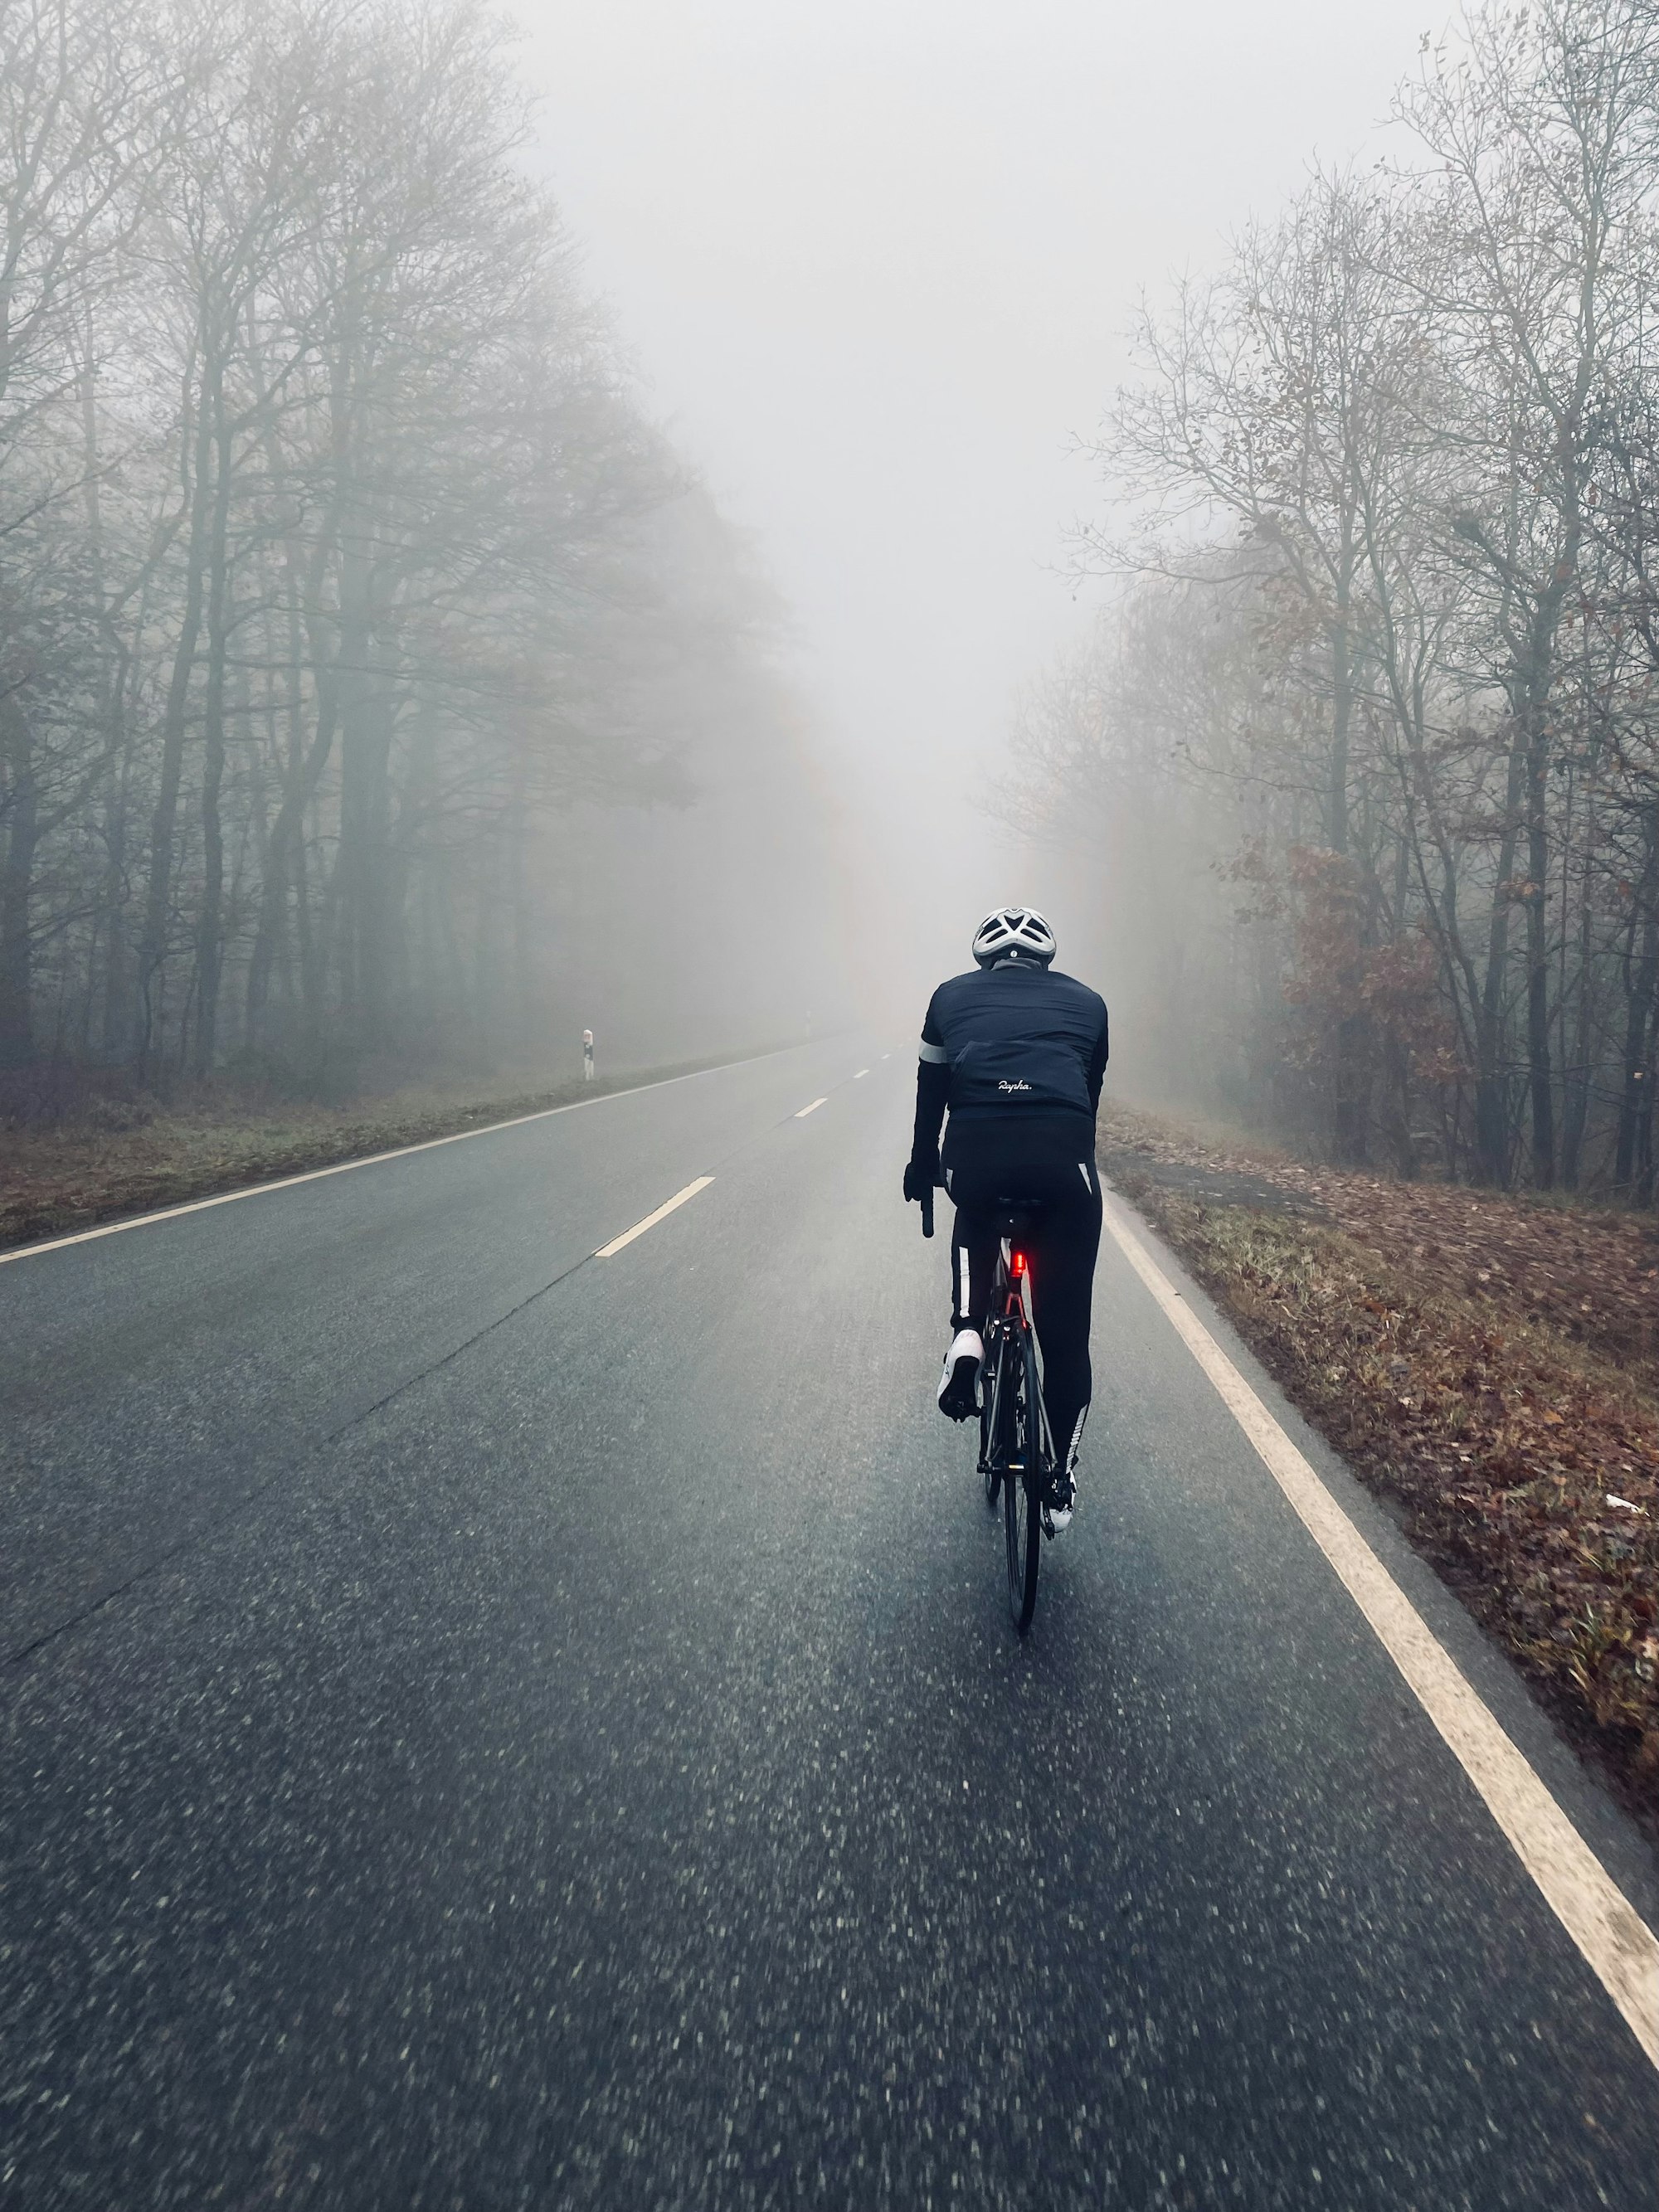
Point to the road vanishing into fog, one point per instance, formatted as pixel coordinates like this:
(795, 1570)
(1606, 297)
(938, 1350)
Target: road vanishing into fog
(486, 1725)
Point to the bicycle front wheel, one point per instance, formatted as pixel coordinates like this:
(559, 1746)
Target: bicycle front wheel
(1022, 1490)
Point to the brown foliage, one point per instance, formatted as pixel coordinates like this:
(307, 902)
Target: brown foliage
(1488, 1364)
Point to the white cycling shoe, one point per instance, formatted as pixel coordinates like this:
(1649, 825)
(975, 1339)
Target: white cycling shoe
(958, 1386)
(1061, 1502)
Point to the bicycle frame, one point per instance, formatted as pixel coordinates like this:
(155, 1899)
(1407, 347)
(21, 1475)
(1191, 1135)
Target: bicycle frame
(1010, 1310)
(1016, 1447)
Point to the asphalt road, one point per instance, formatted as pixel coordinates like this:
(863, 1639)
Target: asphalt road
(487, 1727)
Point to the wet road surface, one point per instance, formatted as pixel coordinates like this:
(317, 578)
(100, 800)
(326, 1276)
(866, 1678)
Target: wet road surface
(485, 1726)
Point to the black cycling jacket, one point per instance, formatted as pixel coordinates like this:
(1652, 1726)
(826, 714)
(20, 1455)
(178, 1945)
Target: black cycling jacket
(1017, 1054)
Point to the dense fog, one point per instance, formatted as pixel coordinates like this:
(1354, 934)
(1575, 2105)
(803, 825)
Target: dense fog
(1362, 748)
(377, 684)
(432, 621)
(655, 520)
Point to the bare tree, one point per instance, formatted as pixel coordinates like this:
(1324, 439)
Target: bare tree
(338, 561)
(1405, 442)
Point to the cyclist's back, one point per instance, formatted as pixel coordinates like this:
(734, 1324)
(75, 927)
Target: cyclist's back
(1023, 1050)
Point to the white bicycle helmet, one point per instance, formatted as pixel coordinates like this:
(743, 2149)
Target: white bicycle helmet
(1014, 932)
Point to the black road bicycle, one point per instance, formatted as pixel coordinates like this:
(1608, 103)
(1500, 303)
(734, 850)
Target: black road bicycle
(1016, 1447)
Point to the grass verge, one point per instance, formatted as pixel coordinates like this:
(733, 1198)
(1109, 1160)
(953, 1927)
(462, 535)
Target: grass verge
(1486, 1365)
(53, 1182)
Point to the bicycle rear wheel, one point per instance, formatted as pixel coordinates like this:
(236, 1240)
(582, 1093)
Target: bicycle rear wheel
(989, 1465)
(1022, 1492)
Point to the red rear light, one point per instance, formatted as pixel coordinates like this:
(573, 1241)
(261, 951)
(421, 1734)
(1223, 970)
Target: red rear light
(1020, 1264)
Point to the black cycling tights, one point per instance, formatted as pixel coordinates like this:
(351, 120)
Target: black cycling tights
(1064, 1240)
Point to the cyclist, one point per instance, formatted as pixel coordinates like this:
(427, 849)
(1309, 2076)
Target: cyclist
(1017, 1052)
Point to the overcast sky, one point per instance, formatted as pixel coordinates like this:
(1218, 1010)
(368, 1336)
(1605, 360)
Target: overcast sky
(876, 258)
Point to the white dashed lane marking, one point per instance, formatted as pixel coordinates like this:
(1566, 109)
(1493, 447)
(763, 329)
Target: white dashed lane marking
(1617, 1943)
(859, 1074)
(349, 1167)
(606, 1251)
(812, 1108)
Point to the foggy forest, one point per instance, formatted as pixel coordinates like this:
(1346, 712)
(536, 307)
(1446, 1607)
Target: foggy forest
(1364, 752)
(369, 659)
(347, 592)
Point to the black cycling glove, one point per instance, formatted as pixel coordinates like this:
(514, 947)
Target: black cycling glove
(921, 1176)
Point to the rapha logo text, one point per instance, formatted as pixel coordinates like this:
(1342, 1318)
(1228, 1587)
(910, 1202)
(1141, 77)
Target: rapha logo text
(1006, 1086)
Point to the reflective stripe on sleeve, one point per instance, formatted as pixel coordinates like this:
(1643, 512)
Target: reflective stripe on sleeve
(935, 1053)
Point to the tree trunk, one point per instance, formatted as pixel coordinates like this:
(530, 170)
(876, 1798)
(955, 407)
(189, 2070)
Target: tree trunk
(1350, 1114)
(302, 774)
(16, 884)
(210, 920)
(116, 733)
(1577, 1060)
(302, 771)
(1541, 1082)
(361, 870)
(152, 944)
(366, 885)
(1641, 974)
(1492, 1135)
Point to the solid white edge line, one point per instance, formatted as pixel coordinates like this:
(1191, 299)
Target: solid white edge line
(368, 1160)
(1617, 1943)
(813, 1108)
(606, 1251)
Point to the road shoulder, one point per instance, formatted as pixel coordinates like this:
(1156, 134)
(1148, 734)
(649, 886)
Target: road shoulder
(1588, 1794)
